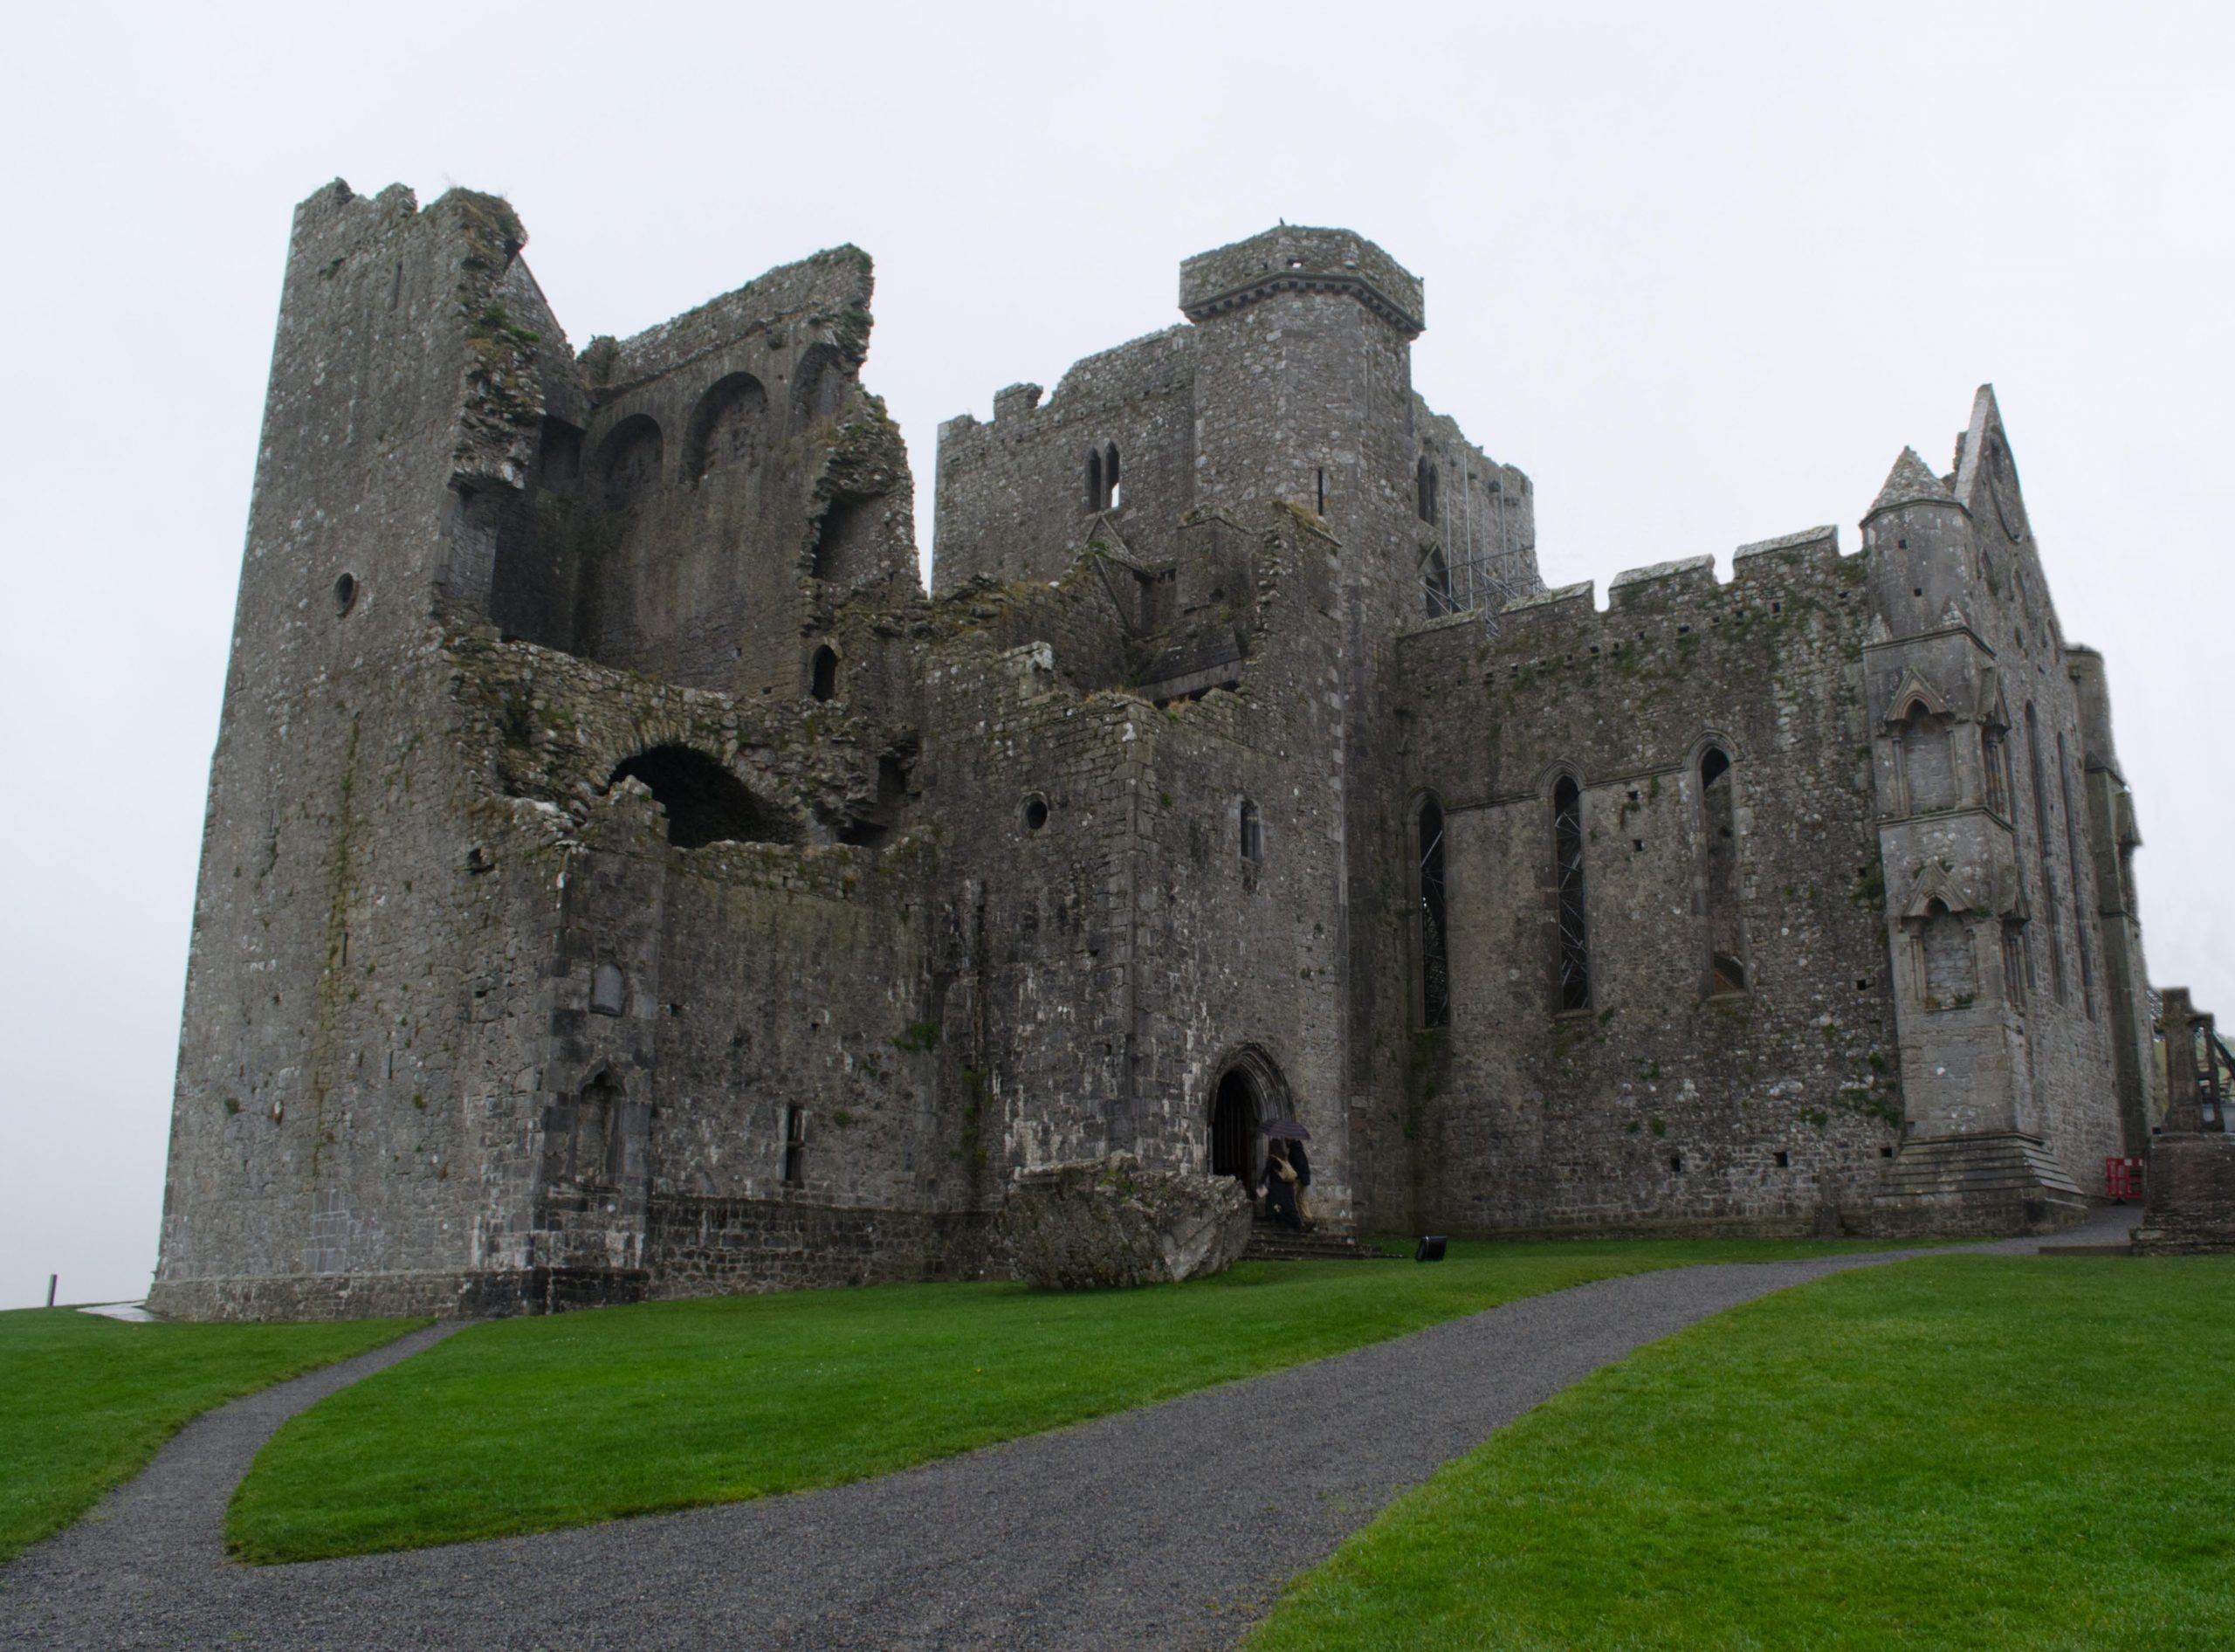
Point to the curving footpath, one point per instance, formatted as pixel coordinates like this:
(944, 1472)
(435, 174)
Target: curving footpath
(1172, 1526)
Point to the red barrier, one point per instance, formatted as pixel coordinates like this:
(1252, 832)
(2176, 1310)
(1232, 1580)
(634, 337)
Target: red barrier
(2122, 1178)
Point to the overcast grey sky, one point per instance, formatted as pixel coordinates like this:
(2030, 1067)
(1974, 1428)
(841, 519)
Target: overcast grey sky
(1702, 271)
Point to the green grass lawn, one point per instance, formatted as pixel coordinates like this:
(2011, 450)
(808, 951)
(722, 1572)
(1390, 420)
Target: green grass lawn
(85, 1402)
(1963, 1452)
(527, 1424)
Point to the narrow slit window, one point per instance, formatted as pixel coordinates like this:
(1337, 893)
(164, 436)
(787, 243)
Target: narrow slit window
(1111, 479)
(2079, 902)
(795, 1147)
(2050, 906)
(1572, 974)
(1253, 834)
(1718, 873)
(1435, 963)
(1095, 497)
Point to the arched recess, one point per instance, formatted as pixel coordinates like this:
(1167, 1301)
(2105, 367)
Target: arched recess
(1718, 870)
(579, 1134)
(628, 462)
(729, 426)
(1247, 1090)
(818, 387)
(848, 537)
(822, 673)
(705, 803)
(1096, 498)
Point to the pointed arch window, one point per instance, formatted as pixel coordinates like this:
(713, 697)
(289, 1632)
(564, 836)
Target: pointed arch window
(1435, 584)
(1571, 974)
(823, 673)
(1435, 960)
(1114, 498)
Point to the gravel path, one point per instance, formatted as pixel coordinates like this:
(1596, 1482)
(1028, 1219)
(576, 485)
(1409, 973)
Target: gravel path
(1154, 1528)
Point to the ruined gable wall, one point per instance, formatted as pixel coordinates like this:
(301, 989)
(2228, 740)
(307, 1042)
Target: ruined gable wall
(1013, 501)
(1970, 612)
(1521, 1115)
(730, 477)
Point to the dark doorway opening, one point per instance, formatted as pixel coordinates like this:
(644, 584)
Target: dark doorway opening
(1234, 1126)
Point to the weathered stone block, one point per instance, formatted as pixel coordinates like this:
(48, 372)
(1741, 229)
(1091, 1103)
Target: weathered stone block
(2190, 1210)
(1098, 1224)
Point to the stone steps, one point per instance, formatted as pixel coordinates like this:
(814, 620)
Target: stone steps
(1270, 1242)
(1971, 1165)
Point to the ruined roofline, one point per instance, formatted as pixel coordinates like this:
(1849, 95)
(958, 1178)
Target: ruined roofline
(830, 289)
(1295, 258)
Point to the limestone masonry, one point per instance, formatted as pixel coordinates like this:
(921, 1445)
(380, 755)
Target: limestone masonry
(622, 878)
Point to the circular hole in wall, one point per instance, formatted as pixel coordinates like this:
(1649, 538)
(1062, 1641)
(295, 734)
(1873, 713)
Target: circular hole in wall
(345, 594)
(1035, 812)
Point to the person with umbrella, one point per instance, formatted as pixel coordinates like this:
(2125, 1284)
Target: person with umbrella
(1286, 1172)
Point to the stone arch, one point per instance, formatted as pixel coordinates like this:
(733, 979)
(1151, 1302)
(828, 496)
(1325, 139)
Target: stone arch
(705, 801)
(1246, 1090)
(582, 1131)
(729, 426)
(628, 462)
(822, 673)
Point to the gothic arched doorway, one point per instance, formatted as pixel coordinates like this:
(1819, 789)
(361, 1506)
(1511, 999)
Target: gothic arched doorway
(1248, 1092)
(1234, 1117)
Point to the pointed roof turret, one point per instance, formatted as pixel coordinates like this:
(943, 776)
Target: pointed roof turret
(1910, 482)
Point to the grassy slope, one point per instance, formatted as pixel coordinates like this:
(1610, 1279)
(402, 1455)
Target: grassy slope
(85, 1401)
(529, 1424)
(1965, 1452)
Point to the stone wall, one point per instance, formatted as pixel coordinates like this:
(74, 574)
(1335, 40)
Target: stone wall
(1666, 1097)
(1016, 495)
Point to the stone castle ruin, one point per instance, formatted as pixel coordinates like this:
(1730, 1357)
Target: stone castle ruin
(623, 879)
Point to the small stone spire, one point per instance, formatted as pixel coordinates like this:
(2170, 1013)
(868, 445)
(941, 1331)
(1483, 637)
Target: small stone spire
(1910, 480)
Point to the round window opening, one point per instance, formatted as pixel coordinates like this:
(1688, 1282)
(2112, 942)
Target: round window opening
(345, 594)
(1035, 812)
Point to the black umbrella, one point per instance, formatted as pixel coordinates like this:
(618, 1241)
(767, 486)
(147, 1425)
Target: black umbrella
(1284, 1129)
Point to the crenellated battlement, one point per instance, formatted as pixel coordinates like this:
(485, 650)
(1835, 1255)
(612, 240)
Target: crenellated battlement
(1665, 603)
